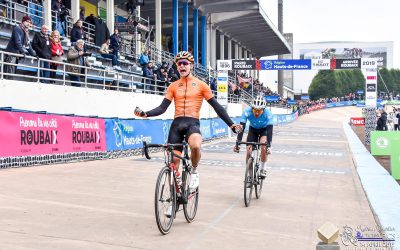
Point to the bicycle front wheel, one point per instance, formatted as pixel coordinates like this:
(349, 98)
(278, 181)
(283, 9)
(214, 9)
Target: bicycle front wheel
(248, 182)
(164, 201)
(191, 200)
(258, 185)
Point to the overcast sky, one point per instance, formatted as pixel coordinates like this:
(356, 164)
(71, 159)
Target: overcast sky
(340, 20)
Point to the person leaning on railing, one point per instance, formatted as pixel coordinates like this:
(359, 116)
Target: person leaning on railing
(56, 52)
(18, 44)
(77, 56)
(42, 47)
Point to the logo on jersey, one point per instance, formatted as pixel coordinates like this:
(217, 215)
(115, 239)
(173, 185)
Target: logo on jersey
(180, 84)
(194, 84)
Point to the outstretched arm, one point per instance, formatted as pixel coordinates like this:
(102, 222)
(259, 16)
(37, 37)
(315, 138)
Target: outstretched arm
(156, 111)
(221, 112)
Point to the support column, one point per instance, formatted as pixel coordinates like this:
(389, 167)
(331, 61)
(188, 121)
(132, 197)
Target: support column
(213, 45)
(240, 52)
(175, 36)
(221, 47)
(204, 41)
(110, 14)
(229, 49)
(185, 25)
(47, 13)
(209, 49)
(196, 35)
(245, 57)
(75, 5)
(138, 37)
(236, 50)
(158, 25)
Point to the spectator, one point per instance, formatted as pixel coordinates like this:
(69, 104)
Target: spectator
(150, 77)
(59, 14)
(77, 32)
(213, 85)
(381, 123)
(18, 44)
(77, 56)
(115, 43)
(106, 53)
(144, 59)
(162, 77)
(82, 13)
(41, 45)
(173, 73)
(56, 52)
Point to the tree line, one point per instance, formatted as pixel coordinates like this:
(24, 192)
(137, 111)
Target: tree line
(337, 83)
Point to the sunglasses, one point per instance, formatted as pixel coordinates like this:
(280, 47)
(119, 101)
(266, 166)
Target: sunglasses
(184, 63)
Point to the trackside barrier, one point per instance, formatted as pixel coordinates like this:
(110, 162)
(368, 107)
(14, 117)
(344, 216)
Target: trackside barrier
(38, 138)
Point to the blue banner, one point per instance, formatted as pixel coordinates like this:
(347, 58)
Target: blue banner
(291, 102)
(300, 64)
(130, 134)
(205, 128)
(218, 127)
(305, 97)
(360, 91)
(272, 98)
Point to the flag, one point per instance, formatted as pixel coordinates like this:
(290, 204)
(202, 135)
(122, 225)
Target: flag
(244, 82)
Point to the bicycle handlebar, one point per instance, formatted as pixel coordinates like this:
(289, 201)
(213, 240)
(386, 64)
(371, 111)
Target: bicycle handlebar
(146, 147)
(252, 143)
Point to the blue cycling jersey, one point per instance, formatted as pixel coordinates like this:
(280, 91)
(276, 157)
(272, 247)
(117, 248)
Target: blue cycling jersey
(261, 122)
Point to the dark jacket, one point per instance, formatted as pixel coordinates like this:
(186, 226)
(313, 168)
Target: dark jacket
(115, 41)
(18, 42)
(41, 44)
(73, 57)
(76, 34)
(381, 123)
(101, 32)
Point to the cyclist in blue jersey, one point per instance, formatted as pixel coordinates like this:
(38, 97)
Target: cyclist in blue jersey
(260, 130)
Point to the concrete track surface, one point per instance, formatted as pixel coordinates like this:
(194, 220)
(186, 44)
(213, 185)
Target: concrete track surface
(110, 204)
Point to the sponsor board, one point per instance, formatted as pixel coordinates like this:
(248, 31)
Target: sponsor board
(285, 64)
(320, 64)
(25, 134)
(224, 65)
(243, 64)
(357, 121)
(222, 88)
(348, 63)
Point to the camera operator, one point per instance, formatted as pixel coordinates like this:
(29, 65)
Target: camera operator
(382, 120)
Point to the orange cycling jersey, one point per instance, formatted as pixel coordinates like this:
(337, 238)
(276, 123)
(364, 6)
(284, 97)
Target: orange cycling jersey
(188, 94)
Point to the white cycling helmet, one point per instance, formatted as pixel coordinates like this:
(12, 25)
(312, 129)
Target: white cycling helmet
(259, 103)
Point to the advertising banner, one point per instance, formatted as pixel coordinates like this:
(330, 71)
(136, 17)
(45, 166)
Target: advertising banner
(379, 53)
(387, 143)
(218, 127)
(25, 134)
(222, 88)
(370, 86)
(347, 63)
(357, 121)
(243, 64)
(272, 98)
(319, 64)
(369, 63)
(130, 134)
(205, 128)
(224, 65)
(285, 64)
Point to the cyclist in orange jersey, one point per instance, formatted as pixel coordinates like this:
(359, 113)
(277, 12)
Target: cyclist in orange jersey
(188, 93)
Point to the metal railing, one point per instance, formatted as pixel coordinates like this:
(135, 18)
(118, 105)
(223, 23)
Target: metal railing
(13, 13)
(89, 77)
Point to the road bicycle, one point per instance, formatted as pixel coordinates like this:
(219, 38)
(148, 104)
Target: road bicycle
(168, 194)
(252, 178)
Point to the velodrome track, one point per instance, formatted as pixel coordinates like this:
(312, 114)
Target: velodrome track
(109, 204)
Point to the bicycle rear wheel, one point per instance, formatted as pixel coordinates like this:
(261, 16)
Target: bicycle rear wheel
(164, 201)
(248, 182)
(258, 185)
(191, 199)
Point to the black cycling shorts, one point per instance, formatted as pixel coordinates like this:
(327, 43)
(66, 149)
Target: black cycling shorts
(183, 126)
(255, 134)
